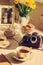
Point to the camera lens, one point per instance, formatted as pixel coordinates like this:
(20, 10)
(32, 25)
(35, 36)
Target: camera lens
(33, 39)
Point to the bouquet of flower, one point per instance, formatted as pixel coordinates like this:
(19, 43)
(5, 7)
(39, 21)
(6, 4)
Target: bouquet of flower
(24, 6)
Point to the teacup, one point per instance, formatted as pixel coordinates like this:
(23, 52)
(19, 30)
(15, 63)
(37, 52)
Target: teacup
(22, 53)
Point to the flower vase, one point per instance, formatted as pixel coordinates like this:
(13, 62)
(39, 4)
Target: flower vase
(25, 20)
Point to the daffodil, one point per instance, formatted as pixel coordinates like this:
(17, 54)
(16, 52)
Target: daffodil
(16, 1)
(32, 4)
(27, 4)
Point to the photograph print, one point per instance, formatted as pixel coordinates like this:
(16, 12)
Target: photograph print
(6, 17)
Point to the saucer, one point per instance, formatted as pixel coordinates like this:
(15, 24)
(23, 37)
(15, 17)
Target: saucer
(4, 43)
(28, 56)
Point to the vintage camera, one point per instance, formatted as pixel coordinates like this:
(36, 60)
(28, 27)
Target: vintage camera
(32, 40)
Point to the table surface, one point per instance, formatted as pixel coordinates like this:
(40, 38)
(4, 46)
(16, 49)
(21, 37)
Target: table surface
(36, 59)
(37, 55)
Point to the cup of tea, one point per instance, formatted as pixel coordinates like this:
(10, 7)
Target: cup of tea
(22, 53)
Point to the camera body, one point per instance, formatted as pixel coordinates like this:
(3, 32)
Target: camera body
(31, 40)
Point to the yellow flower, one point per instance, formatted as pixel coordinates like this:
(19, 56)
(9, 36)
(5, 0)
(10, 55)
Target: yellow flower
(30, 3)
(27, 4)
(16, 1)
(33, 6)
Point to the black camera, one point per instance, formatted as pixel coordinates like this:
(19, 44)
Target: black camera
(32, 40)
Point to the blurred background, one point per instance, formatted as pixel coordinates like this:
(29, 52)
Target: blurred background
(36, 16)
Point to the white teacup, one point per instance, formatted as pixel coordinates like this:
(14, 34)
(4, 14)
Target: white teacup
(23, 52)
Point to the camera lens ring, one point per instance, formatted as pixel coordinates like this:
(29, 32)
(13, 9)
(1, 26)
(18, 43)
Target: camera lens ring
(33, 39)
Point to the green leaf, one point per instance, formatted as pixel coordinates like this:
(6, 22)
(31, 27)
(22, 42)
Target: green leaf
(23, 9)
